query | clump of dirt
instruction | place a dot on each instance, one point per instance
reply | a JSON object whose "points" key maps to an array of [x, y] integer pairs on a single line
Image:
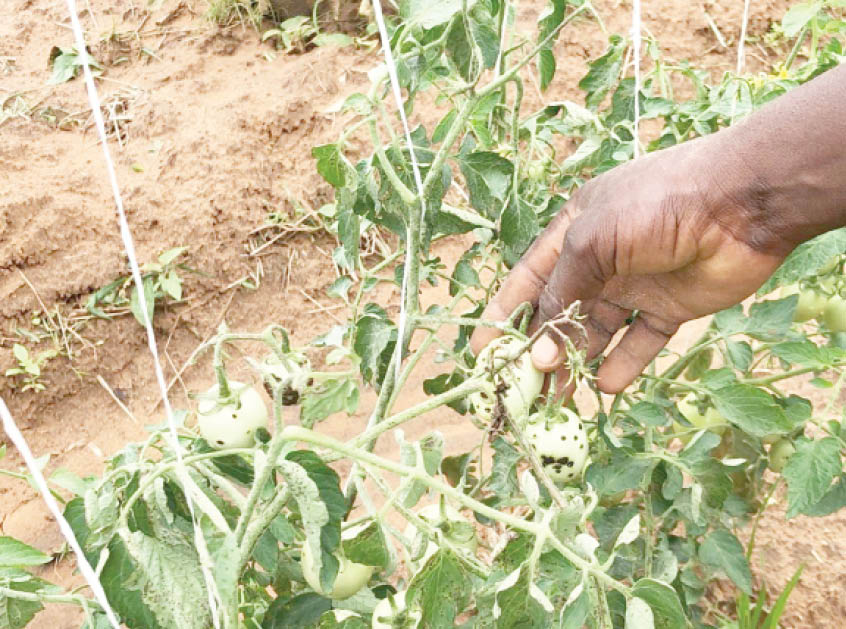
{"points": [[211, 131]]}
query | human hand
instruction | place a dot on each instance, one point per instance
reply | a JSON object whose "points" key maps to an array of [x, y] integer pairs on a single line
{"points": [[675, 235]]}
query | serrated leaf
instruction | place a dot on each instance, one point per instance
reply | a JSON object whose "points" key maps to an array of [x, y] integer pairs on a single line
{"points": [[518, 227], [663, 600], [621, 473], [368, 547], [461, 49], [798, 16], [442, 573], [639, 614], [330, 164], [170, 581], [740, 354], [488, 178], [315, 487], [350, 235], [15, 553], [810, 472], [805, 353], [516, 606], [834, 500], [752, 410], [302, 610], [375, 336], [721, 550], [430, 13], [503, 482], [603, 72], [648, 414], [332, 397], [576, 610], [807, 259], [16, 613], [117, 571]]}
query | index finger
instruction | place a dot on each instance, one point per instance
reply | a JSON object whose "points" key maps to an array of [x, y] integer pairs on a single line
{"points": [[525, 282]]}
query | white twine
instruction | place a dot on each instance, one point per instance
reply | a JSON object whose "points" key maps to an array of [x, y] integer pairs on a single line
{"points": [[418, 181], [126, 237], [85, 568], [741, 45]]}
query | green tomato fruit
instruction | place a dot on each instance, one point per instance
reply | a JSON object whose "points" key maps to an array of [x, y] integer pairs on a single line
{"points": [[560, 442], [231, 424], [517, 380], [711, 419], [351, 577], [780, 453], [811, 304], [835, 314], [393, 613]]}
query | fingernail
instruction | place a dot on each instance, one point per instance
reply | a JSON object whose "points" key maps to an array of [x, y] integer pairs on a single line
{"points": [[544, 352]]}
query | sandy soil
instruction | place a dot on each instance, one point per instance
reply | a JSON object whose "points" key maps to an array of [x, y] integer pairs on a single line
{"points": [[217, 135]]}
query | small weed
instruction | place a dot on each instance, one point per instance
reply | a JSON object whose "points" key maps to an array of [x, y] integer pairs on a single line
{"points": [[161, 281], [228, 12], [68, 62], [30, 367]]}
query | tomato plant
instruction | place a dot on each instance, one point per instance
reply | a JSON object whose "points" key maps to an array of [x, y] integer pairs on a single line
{"points": [[556, 517]]}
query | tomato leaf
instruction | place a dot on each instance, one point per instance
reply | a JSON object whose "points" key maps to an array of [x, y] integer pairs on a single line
{"points": [[810, 472], [503, 481], [375, 337], [316, 488], [332, 397], [442, 573], [15, 553], [520, 603], [430, 449], [302, 610], [330, 164], [832, 501], [805, 353], [518, 227], [798, 16], [722, 551], [430, 13], [488, 178], [648, 414], [664, 602], [621, 473], [752, 410], [603, 72], [576, 609], [461, 49], [807, 259], [639, 615], [170, 581], [368, 547]]}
